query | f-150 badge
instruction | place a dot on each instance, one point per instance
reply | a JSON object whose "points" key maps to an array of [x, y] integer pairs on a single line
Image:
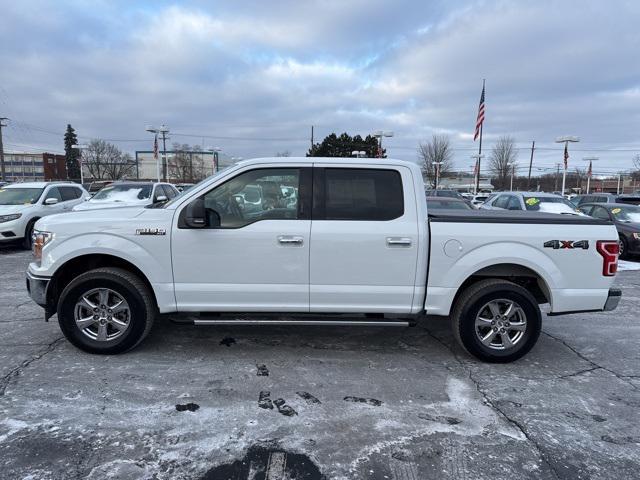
{"points": [[564, 244], [151, 231]]}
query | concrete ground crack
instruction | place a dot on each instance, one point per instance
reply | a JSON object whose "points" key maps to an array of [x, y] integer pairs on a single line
{"points": [[596, 366], [488, 401], [580, 372], [4, 382]]}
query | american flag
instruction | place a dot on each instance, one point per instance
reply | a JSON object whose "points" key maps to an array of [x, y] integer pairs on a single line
{"points": [[566, 156], [589, 171], [155, 147], [480, 118]]}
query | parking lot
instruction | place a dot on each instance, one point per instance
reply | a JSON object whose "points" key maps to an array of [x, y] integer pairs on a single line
{"points": [[317, 402]]}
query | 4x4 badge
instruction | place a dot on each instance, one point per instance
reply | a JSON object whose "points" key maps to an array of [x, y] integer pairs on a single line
{"points": [[563, 244], [151, 231]]}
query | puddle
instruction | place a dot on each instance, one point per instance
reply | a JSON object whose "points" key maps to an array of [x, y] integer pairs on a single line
{"points": [[267, 463]]}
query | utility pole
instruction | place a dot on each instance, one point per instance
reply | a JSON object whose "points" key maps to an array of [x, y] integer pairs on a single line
{"points": [[533, 147], [162, 130], [513, 172], [2, 170], [311, 137]]}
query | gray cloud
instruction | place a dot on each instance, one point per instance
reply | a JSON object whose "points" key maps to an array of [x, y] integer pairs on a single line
{"points": [[263, 72]]}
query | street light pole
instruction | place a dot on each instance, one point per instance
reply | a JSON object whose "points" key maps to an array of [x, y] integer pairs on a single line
{"points": [[437, 166], [80, 148], [162, 130], [566, 139], [513, 171], [379, 134], [478, 157], [589, 172]]}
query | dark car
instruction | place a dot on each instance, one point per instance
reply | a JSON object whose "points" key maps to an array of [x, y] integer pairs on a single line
{"points": [[627, 220], [447, 194], [446, 203], [594, 198]]}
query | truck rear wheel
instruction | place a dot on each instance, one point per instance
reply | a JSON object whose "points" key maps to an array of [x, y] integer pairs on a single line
{"points": [[496, 321], [106, 310]]}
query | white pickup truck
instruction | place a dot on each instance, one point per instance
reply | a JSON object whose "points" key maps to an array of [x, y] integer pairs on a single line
{"points": [[324, 241]]}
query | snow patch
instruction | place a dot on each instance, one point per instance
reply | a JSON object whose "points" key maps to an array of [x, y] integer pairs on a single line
{"points": [[626, 266]]}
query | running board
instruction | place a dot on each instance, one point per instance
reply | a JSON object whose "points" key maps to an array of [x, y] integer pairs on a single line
{"points": [[349, 323]]}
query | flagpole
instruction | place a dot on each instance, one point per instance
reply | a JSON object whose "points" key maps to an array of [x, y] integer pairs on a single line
{"points": [[566, 141], [479, 150]]}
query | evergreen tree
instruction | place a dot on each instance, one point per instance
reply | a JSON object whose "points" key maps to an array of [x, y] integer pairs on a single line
{"points": [[72, 155], [344, 146]]}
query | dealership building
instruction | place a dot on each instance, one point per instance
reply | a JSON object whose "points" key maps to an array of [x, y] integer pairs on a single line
{"points": [[202, 161]]}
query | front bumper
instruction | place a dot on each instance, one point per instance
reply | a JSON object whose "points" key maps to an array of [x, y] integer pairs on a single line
{"points": [[615, 294], [37, 288]]}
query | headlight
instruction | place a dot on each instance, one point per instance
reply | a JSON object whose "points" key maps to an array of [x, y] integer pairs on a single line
{"points": [[8, 218], [39, 240], [636, 235]]}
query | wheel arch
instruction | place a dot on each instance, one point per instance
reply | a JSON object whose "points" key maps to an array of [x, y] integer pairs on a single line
{"points": [[524, 276], [81, 264]]}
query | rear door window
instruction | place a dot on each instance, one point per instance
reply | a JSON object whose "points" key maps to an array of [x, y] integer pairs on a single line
{"points": [[599, 212], [357, 194], [501, 201], [514, 203], [69, 193]]}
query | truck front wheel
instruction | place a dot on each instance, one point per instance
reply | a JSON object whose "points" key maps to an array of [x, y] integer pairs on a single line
{"points": [[106, 310], [496, 321]]}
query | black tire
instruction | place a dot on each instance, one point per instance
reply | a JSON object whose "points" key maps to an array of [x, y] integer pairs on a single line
{"points": [[28, 231], [140, 299], [470, 303], [624, 248]]}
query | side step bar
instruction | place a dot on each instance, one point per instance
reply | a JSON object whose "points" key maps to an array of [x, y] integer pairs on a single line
{"points": [[349, 323]]}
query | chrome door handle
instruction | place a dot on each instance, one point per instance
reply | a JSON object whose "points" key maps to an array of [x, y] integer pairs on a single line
{"points": [[290, 240], [398, 241]]}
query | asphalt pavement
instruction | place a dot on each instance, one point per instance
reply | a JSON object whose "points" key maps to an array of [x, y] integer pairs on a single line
{"points": [[316, 402]]}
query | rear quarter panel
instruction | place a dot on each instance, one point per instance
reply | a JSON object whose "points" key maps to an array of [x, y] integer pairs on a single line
{"points": [[573, 277]]}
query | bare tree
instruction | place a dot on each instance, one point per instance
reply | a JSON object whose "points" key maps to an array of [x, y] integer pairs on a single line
{"points": [[636, 168], [185, 164], [437, 150], [502, 159], [106, 161]]}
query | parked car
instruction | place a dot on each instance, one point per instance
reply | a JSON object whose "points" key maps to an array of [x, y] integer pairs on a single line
{"points": [[355, 242], [444, 203], [629, 198], [448, 194], [95, 186], [594, 198], [181, 187], [129, 194], [531, 201], [626, 219], [480, 199], [22, 204]]}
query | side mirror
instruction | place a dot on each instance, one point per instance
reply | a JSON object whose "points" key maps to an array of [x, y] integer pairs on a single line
{"points": [[161, 198], [196, 214], [51, 201]]}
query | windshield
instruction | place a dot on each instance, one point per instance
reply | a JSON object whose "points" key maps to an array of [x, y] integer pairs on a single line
{"points": [[447, 204], [626, 214], [123, 193], [549, 204], [19, 196]]}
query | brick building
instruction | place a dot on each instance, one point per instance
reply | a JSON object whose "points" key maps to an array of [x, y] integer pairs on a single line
{"points": [[30, 167]]}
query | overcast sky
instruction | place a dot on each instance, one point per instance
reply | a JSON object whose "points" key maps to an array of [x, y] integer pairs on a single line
{"points": [[255, 75]]}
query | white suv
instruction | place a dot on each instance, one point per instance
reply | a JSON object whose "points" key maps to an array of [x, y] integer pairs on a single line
{"points": [[21, 204]]}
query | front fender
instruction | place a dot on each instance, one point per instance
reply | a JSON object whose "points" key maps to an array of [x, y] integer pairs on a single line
{"points": [[152, 259]]}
